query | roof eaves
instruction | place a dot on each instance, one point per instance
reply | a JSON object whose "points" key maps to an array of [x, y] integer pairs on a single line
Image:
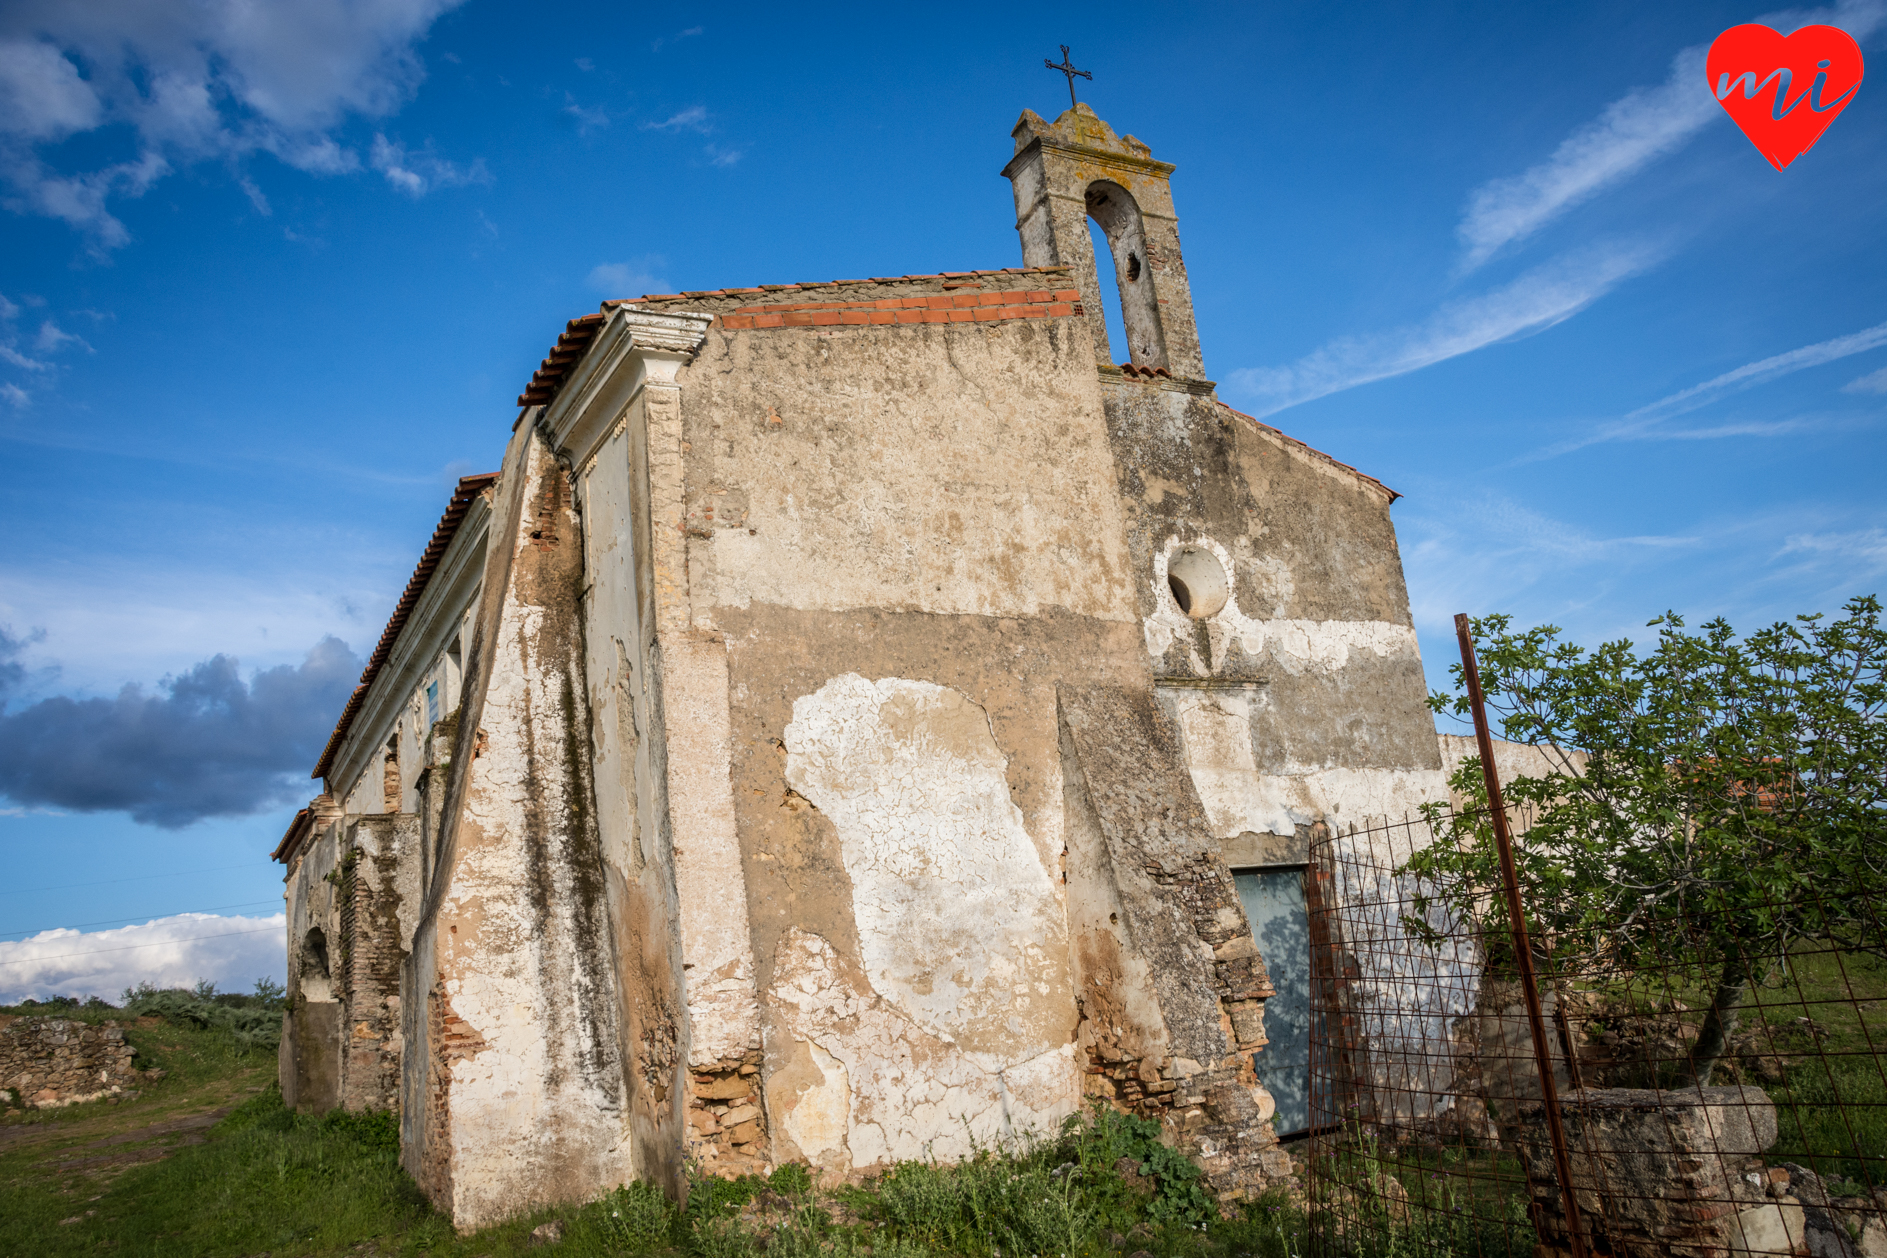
{"points": [[468, 489], [292, 838], [1313, 452]]}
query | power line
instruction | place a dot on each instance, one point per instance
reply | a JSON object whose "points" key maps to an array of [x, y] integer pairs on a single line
{"points": [[67, 956], [181, 873], [140, 917]]}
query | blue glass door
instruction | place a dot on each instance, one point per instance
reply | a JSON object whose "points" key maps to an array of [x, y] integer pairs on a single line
{"points": [[1274, 905]]}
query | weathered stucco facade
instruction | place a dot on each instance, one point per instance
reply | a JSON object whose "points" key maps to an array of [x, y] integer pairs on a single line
{"points": [[855, 699]]}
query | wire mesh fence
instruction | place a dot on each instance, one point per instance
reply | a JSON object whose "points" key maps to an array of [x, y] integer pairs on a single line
{"points": [[1700, 1115]]}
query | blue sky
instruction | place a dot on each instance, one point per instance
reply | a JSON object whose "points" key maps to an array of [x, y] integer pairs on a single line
{"points": [[273, 276]]}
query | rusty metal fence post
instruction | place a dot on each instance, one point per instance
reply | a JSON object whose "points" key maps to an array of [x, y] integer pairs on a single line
{"points": [[1523, 954]]}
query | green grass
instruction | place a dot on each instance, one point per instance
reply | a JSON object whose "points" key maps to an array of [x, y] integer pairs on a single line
{"points": [[207, 1162], [241, 1176], [1831, 1112]]}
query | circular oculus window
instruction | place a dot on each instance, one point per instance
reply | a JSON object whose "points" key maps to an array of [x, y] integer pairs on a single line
{"points": [[1198, 582]]}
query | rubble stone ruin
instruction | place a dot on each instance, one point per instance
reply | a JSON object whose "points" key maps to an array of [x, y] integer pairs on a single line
{"points": [[858, 717]]}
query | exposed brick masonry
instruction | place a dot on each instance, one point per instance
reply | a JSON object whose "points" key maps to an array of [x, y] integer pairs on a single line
{"points": [[727, 1125], [1035, 303], [370, 978]]}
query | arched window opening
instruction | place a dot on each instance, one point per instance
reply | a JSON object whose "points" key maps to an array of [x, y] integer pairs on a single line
{"points": [[1117, 351], [1134, 305], [317, 983]]}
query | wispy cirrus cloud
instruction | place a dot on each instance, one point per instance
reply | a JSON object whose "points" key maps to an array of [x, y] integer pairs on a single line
{"points": [[1644, 124], [1752, 374], [19, 353], [1532, 303], [587, 118], [693, 118], [1487, 550], [1863, 550], [666, 40], [1872, 382], [1645, 423]]}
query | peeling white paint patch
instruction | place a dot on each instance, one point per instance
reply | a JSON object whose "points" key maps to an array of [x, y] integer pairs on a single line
{"points": [[1407, 993], [912, 1094], [1323, 646], [958, 919], [1296, 646], [1238, 797]]}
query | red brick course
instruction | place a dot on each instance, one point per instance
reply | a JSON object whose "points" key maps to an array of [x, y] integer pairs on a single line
{"points": [[1039, 303]]}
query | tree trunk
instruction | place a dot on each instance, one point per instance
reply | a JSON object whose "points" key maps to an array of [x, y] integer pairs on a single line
{"points": [[1720, 1021]]}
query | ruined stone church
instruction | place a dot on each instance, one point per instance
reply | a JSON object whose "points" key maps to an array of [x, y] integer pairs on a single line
{"points": [[856, 718]]}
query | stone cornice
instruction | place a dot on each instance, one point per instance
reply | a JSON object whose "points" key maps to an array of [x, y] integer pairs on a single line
{"points": [[1083, 152], [635, 348]]}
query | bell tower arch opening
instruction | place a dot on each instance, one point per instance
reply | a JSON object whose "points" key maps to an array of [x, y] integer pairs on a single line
{"points": [[1115, 323], [1074, 171], [1112, 208]]}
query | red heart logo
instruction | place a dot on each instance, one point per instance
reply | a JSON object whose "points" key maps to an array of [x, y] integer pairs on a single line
{"points": [[1784, 91]]}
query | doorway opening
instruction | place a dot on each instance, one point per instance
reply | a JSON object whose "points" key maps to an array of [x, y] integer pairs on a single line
{"points": [[1273, 898]]}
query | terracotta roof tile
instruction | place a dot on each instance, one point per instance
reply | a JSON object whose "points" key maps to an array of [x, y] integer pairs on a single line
{"points": [[1286, 437], [469, 487]]}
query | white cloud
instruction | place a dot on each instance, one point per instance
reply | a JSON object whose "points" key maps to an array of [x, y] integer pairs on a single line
{"points": [[255, 196], [232, 952], [1640, 126], [693, 118], [1741, 428], [1752, 374], [417, 173], [42, 96], [585, 64], [630, 279], [676, 38], [1872, 382], [718, 156], [1865, 548], [1643, 423], [11, 355], [50, 338], [192, 79], [1487, 551], [1536, 301], [586, 119]]}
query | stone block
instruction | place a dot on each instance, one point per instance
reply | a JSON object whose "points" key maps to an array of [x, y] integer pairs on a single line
{"points": [[1661, 1172]]}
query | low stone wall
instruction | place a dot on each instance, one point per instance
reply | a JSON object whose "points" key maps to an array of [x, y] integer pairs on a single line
{"points": [[1661, 1173], [49, 1062]]}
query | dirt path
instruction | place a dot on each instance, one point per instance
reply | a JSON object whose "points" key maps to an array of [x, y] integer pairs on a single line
{"points": [[102, 1144]]}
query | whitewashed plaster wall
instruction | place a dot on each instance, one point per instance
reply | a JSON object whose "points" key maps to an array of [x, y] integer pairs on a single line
{"points": [[964, 1007], [1217, 724], [535, 1091]]}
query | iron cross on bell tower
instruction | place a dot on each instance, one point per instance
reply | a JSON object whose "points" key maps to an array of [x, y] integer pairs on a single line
{"points": [[1067, 67]]}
